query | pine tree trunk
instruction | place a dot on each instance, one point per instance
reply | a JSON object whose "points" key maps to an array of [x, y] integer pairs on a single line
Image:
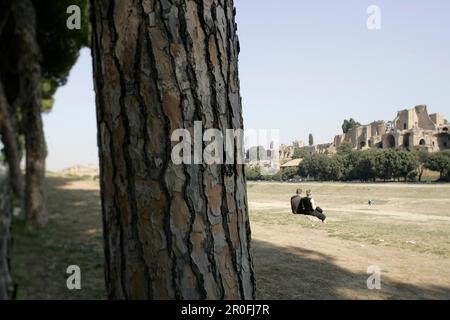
{"points": [[30, 80], [171, 231], [6, 283], [9, 139]]}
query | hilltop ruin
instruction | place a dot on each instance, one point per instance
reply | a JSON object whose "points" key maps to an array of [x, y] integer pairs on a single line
{"points": [[412, 129]]}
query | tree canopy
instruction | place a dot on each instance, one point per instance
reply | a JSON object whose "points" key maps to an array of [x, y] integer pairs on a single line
{"points": [[59, 46], [299, 153], [42, 49], [373, 164], [311, 139], [349, 124]]}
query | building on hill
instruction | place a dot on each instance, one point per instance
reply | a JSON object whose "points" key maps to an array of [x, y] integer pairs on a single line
{"points": [[295, 163], [286, 152], [411, 129], [298, 144]]}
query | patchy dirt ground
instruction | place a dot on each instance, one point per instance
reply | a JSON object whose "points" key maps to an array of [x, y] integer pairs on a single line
{"points": [[406, 233]]}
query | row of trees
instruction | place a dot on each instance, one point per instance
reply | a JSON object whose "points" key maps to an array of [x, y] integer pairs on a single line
{"points": [[374, 164], [368, 165], [170, 231], [38, 51], [41, 50]]}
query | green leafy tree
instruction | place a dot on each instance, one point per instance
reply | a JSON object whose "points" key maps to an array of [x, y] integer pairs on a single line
{"points": [[349, 124], [447, 176], [314, 166], [274, 177], [38, 60], [349, 159], [439, 162], [289, 173], [365, 167], [299, 153], [59, 45], [407, 165], [311, 139], [350, 162], [370, 165], [253, 173], [345, 148], [421, 156], [385, 164], [335, 169]]}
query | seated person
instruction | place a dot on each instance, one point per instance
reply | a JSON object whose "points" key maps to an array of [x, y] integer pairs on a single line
{"points": [[310, 208], [296, 201]]}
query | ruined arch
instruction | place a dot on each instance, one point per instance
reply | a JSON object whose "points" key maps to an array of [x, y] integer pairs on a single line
{"points": [[390, 141], [443, 140], [422, 142], [406, 140]]}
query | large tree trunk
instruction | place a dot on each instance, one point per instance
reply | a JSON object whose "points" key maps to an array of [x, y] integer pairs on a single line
{"points": [[171, 231], [30, 87], [6, 283], [9, 139]]}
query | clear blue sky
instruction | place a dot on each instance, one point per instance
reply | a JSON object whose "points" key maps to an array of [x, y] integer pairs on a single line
{"points": [[304, 67]]}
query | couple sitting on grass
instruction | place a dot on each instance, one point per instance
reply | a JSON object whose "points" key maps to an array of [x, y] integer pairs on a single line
{"points": [[306, 206]]}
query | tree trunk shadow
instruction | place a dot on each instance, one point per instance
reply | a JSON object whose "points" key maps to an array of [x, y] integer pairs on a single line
{"points": [[299, 273]]}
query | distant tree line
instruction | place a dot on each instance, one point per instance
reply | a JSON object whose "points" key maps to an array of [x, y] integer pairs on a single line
{"points": [[368, 165], [254, 173], [374, 164]]}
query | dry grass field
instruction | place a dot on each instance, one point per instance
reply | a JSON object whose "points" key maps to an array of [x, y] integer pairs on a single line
{"points": [[406, 233]]}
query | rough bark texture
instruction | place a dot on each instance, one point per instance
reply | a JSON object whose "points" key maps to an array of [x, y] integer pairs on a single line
{"points": [[30, 96], [6, 282], [171, 231], [9, 140]]}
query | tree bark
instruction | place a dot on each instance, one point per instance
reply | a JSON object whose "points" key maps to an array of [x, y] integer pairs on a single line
{"points": [[9, 139], [6, 282], [171, 231], [29, 58]]}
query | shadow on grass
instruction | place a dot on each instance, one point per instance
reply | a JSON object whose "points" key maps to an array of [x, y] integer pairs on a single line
{"points": [[73, 236], [298, 273]]}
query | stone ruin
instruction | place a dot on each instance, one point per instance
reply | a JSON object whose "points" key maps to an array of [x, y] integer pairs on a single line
{"points": [[411, 129]]}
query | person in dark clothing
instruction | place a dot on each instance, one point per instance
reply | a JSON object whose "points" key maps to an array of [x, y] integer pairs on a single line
{"points": [[296, 201], [310, 208]]}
